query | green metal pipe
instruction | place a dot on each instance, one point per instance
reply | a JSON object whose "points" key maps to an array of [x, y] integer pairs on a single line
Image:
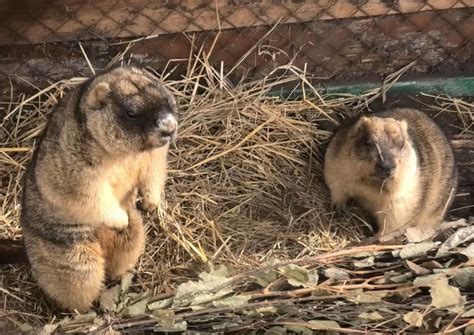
{"points": [[455, 87]]}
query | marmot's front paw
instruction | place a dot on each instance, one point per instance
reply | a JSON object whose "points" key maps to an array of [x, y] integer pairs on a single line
{"points": [[338, 207], [118, 219], [150, 201]]}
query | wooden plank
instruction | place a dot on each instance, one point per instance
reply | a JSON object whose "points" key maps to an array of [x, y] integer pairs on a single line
{"points": [[42, 21]]}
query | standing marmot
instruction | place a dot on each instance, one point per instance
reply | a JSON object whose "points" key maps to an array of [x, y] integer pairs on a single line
{"points": [[398, 165], [107, 139]]}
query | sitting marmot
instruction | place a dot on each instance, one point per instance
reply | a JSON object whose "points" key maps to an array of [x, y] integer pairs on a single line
{"points": [[398, 165], [106, 140]]}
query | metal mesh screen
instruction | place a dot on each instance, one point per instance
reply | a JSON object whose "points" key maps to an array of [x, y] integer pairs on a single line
{"points": [[335, 40]]}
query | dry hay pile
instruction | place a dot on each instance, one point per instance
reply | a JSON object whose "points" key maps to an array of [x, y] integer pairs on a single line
{"points": [[245, 190]]}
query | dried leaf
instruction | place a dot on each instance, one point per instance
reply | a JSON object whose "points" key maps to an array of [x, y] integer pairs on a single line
{"points": [[166, 317], [366, 262], [416, 250], [110, 331], [263, 278], [454, 224], [48, 329], [65, 321], [418, 270], [109, 299], [373, 316], [323, 324], [336, 274], [468, 314], [295, 283], [464, 278], [443, 295], [469, 330], [125, 282], [26, 328], [288, 310], [366, 298], [276, 331], [232, 301], [461, 236], [86, 318], [414, 318], [469, 251], [428, 281], [220, 272], [449, 330], [431, 265], [457, 308], [365, 254], [223, 326], [311, 282], [183, 325], [380, 281], [295, 272], [313, 277], [211, 287], [173, 328], [134, 297], [266, 310], [443, 253], [136, 309], [160, 304], [300, 330], [408, 293], [402, 278]]}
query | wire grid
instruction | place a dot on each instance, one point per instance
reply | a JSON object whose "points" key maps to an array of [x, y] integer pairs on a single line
{"points": [[330, 47]]}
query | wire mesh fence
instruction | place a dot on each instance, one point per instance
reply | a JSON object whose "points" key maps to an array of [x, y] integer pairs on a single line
{"points": [[332, 41], [335, 40]]}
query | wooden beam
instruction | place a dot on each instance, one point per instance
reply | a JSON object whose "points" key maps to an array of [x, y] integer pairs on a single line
{"points": [[42, 21]]}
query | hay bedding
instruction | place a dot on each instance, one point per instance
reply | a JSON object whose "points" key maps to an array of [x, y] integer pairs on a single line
{"points": [[245, 191]]}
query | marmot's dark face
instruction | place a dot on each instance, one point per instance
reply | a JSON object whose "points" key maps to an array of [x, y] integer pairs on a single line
{"points": [[129, 110], [380, 146]]}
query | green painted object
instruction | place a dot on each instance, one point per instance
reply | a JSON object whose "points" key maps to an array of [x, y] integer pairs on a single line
{"points": [[455, 87]]}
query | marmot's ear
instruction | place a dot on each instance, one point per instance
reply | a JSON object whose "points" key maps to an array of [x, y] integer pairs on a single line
{"points": [[361, 125], [97, 96], [172, 102], [404, 126]]}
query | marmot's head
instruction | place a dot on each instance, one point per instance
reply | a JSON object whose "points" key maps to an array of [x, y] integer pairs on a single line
{"points": [[128, 110], [379, 146]]}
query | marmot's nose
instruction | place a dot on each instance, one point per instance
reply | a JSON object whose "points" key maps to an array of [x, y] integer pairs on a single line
{"points": [[167, 125], [385, 169]]}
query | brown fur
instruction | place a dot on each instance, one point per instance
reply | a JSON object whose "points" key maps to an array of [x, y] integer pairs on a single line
{"points": [[107, 140], [398, 165], [122, 248]]}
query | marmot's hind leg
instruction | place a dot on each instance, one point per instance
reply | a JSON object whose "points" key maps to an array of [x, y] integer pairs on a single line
{"points": [[73, 277]]}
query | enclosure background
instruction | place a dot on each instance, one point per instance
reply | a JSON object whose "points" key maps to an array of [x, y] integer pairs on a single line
{"points": [[335, 41]]}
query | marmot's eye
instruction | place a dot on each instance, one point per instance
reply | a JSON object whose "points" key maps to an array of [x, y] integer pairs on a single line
{"points": [[368, 142], [131, 114], [401, 143]]}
